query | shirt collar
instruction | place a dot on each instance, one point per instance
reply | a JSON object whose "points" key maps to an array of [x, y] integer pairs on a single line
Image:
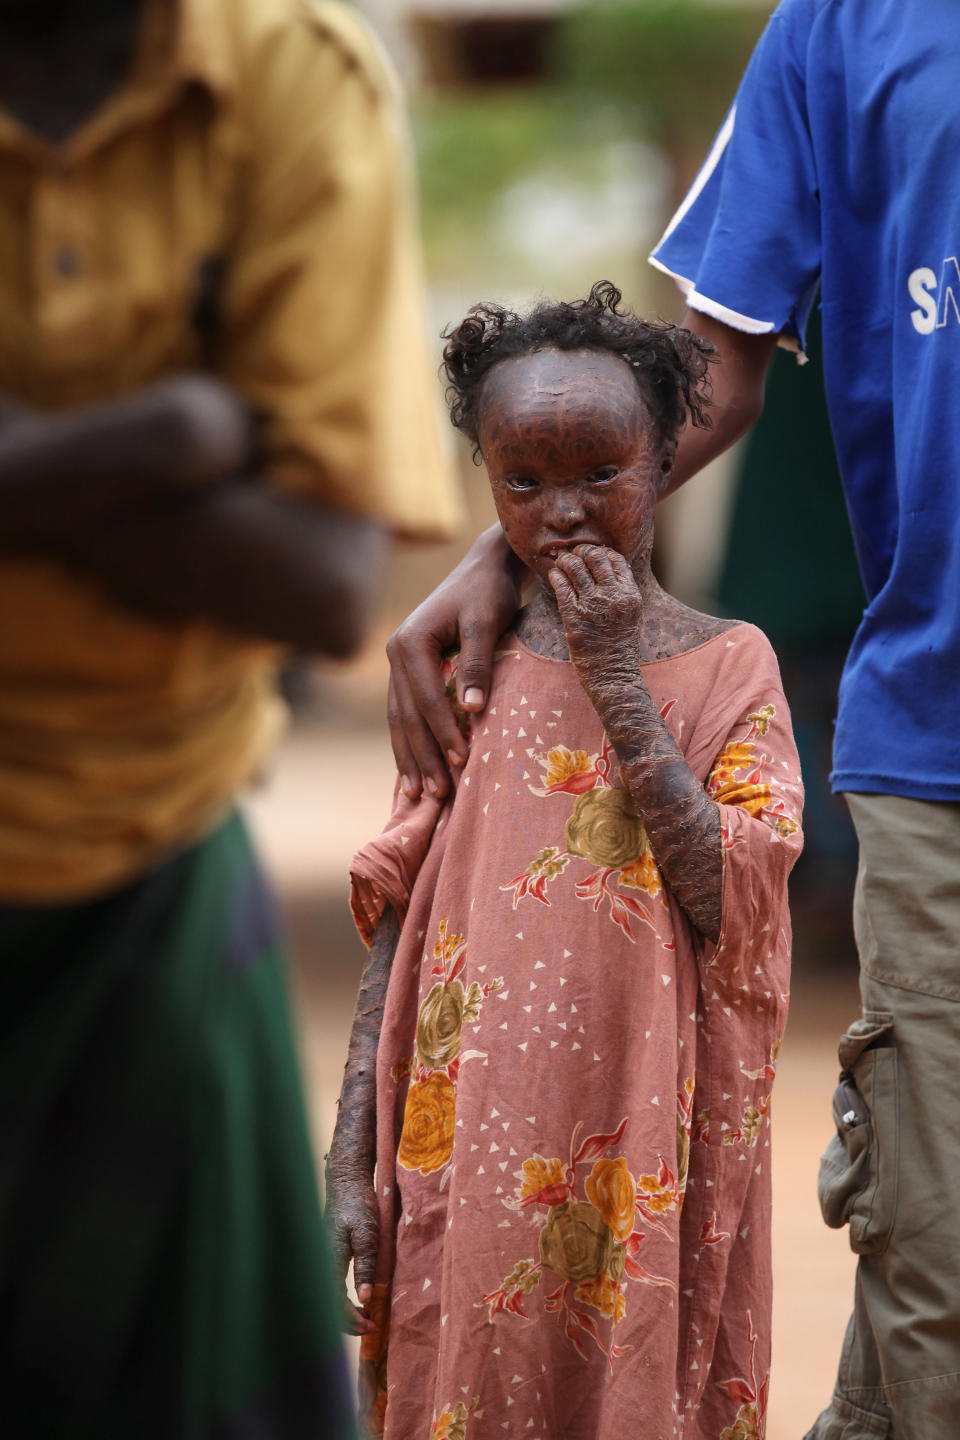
{"points": [[183, 41]]}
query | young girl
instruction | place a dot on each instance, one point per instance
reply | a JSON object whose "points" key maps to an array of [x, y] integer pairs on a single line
{"points": [[567, 1029]]}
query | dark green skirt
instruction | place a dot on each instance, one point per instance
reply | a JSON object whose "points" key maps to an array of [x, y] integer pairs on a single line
{"points": [[163, 1269]]}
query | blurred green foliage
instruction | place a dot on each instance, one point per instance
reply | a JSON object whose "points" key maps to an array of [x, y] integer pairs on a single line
{"points": [[472, 145], [659, 71], [674, 63]]}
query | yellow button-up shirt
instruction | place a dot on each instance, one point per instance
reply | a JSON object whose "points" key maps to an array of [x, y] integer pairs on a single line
{"points": [[243, 201]]}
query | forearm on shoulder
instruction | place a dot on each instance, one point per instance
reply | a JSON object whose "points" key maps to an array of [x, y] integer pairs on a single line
{"points": [[738, 381], [64, 468], [243, 557], [681, 821], [354, 1143]]}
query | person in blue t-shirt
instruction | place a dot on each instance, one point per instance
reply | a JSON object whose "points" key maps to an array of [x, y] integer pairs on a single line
{"points": [[836, 171]]}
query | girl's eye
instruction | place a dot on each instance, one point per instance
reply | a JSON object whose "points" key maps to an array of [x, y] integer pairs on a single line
{"points": [[521, 482], [603, 474]]}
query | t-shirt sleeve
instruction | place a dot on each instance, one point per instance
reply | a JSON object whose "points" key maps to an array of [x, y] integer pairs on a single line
{"points": [[744, 247], [324, 315]]}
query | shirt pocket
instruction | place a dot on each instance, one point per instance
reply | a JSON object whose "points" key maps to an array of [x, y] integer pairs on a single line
{"points": [[859, 1175]]}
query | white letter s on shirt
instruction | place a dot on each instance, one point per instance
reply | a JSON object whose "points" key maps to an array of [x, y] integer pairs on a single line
{"points": [[920, 283]]}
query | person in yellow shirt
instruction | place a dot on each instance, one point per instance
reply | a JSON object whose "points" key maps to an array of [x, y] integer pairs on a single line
{"points": [[214, 405]]}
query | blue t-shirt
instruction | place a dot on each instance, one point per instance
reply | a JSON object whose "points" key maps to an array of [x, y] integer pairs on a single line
{"points": [[839, 167]]}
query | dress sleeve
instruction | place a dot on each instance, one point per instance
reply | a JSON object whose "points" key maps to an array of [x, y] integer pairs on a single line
{"points": [[324, 314], [756, 781], [745, 978], [384, 870], [744, 247]]}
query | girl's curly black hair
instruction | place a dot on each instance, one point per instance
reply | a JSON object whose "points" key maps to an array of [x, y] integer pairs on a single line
{"points": [[670, 364]]}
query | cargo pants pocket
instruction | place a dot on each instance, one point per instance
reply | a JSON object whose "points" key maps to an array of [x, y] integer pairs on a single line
{"points": [[859, 1171]]}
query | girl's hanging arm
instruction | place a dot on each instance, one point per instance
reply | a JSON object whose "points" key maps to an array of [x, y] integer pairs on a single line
{"points": [[602, 610], [351, 1198]]}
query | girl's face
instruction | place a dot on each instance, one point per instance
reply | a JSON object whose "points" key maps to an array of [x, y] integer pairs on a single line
{"points": [[572, 454]]}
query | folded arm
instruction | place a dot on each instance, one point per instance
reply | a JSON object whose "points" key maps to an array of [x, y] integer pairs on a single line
{"points": [[169, 440], [242, 557]]}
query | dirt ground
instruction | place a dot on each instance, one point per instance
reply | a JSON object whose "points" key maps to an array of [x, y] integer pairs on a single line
{"points": [[330, 791]]}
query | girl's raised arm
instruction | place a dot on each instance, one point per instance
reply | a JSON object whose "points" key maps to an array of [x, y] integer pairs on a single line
{"points": [[601, 609]]}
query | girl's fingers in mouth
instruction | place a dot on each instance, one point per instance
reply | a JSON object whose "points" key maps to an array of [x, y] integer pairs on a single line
{"points": [[570, 564], [599, 561]]}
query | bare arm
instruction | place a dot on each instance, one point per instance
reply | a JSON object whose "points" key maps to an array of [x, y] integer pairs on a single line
{"points": [[351, 1200], [242, 557], [601, 609], [479, 599], [681, 821], [738, 389], [61, 470]]}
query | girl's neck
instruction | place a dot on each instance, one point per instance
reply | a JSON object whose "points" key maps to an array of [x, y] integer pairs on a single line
{"points": [[667, 626]]}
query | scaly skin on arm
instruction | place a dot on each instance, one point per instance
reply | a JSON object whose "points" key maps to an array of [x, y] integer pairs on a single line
{"points": [[681, 820], [351, 1199], [602, 612]]}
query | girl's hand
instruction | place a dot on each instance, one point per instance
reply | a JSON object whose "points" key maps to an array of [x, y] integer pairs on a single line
{"points": [[352, 1216], [600, 606]]}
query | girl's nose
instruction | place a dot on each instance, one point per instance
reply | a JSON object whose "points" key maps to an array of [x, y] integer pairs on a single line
{"points": [[568, 512]]}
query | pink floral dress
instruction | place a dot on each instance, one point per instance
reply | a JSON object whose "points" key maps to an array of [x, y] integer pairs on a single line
{"points": [[574, 1087]]}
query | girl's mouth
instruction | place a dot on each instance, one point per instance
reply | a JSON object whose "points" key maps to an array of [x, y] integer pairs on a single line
{"points": [[559, 547]]}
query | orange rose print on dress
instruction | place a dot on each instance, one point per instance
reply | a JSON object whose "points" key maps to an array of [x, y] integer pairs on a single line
{"points": [[426, 1142], [612, 1189], [591, 1244]]}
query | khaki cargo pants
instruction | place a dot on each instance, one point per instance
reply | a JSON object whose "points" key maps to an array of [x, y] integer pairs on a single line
{"points": [[892, 1172]]}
